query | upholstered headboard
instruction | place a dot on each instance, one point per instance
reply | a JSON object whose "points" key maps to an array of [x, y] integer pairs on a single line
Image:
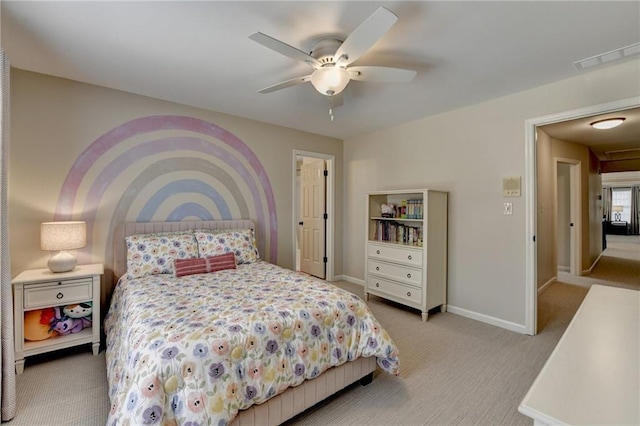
{"points": [[131, 228]]}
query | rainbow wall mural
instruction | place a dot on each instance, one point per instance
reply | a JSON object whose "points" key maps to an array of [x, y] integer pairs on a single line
{"points": [[166, 168]]}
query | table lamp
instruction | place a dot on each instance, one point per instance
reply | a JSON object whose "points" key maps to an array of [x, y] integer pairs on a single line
{"points": [[617, 213], [62, 236]]}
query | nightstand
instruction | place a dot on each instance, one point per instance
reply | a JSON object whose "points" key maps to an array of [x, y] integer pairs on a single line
{"points": [[41, 288]]}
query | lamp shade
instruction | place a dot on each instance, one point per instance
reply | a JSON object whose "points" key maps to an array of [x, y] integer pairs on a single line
{"points": [[63, 235], [330, 80]]}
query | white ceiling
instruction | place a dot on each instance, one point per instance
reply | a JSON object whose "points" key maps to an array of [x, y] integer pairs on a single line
{"points": [[611, 145], [199, 53]]}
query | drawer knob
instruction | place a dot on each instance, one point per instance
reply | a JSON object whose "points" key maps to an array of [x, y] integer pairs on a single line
{"points": [[409, 293], [408, 275], [377, 284], [377, 268], [59, 295], [377, 251], [409, 257]]}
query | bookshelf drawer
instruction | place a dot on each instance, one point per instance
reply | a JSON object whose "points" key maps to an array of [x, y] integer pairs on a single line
{"points": [[397, 272], [395, 289], [409, 255]]}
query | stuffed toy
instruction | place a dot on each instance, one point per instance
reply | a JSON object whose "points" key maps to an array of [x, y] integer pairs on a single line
{"points": [[64, 324], [37, 324], [79, 310]]}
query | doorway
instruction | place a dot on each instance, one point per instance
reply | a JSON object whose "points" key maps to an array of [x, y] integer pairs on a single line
{"points": [[531, 201], [314, 216], [567, 223]]}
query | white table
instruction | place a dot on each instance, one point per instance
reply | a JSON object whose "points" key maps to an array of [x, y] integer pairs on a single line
{"points": [[593, 374]]}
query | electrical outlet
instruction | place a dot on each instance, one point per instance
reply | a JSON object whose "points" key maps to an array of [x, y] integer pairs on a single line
{"points": [[508, 208]]}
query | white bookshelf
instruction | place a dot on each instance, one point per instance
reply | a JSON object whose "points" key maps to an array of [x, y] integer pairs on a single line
{"points": [[406, 256]]}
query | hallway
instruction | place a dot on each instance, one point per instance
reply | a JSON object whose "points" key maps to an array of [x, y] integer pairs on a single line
{"points": [[619, 265]]}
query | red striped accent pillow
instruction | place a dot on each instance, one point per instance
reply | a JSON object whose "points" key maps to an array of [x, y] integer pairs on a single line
{"points": [[204, 265]]}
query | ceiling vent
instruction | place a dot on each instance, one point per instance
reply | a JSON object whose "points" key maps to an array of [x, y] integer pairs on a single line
{"points": [[623, 154], [611, 56]]}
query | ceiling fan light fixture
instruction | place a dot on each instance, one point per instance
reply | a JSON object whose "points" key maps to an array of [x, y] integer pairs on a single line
{"points": [[608, 123], [330, 80]]}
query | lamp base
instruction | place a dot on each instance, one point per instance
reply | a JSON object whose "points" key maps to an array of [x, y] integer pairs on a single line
{"points": [[63, 261]]}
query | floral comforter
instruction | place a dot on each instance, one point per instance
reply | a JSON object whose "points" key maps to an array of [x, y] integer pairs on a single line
{"points": [[197, 349]]}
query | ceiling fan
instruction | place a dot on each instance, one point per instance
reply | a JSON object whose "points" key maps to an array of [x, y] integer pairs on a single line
{"points": [[331, 58]]}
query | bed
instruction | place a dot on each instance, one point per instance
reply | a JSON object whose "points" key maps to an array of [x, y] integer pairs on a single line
{"points": [[249, 343]]}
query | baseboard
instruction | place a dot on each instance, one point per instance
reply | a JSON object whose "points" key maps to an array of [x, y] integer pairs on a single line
{"points": [[593, 265], [581, 281], [351, 280], [544, 286], [518, 328], [564, 268]]}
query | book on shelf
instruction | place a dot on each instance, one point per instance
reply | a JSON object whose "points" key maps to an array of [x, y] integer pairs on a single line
{"points": [[410, 209], [391, 231]]}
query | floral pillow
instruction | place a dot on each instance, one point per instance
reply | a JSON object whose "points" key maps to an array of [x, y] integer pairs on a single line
{"points": [[152, 254], [241, 242]]}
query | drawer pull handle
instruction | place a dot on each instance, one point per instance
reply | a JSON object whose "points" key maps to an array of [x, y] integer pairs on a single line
{"points": [[377, 251], [59, 282], [409, 293], [409, 257], [408, 275], [377, 284], [59, 295], [377, 268]]}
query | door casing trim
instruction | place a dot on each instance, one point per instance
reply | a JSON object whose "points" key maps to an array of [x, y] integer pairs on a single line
{"points": [[530, 187]]}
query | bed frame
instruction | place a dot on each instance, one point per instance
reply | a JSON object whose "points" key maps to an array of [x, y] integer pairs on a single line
{"points": [[292, 401]]}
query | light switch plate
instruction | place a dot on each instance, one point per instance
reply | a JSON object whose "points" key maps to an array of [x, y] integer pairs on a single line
{"points": [[511, 186]]}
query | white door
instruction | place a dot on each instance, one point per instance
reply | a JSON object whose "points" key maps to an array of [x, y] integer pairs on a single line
{"points": [[575, 226], [568, 225], [563, 234], [313, 183]]}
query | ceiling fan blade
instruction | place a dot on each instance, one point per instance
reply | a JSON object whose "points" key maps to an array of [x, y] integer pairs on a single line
{"points": [[285, 49], [366, 35], [382, 74], [284, 84]]}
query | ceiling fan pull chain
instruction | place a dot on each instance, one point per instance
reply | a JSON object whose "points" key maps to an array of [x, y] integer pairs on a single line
{"points": [[331, 104]]}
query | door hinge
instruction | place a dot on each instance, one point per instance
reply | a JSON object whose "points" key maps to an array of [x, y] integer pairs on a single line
{"points": [[325, 172], [534, 238], [325, 216], [325, 260]]}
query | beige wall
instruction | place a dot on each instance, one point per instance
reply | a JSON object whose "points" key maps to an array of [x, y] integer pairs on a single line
{"points": [[545, 235], [550, 150], [468, 152], [54, 120], [595, 210]]}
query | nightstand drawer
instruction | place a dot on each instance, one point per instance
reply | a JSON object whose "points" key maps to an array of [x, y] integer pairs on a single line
{"points": [[57, 293]]}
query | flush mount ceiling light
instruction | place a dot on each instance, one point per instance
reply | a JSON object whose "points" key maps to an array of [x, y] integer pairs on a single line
{"points": [[608, 123]]}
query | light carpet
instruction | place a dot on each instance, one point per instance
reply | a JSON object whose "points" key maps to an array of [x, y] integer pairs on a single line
{"points": [[454, 371], [618, 266]]}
